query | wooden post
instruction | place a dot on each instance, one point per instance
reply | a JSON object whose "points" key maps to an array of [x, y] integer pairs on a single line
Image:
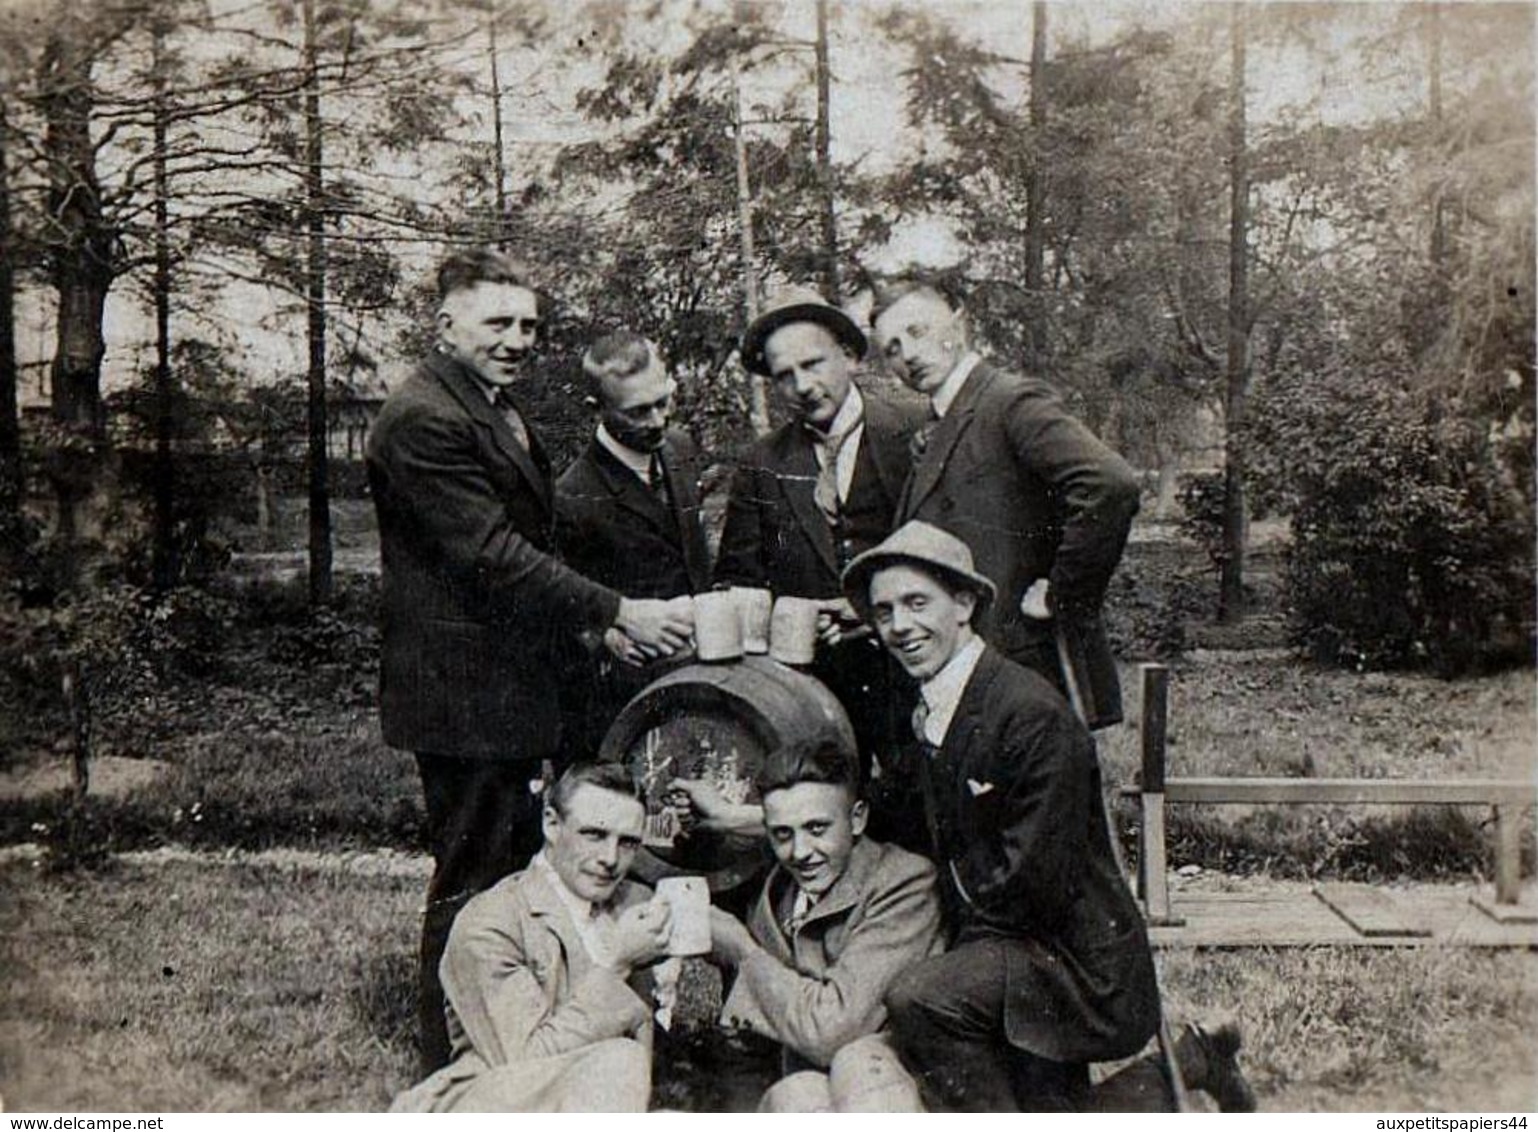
{"points": [[1153, 868], [1508, 853]]}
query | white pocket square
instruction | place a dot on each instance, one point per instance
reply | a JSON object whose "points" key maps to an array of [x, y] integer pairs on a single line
{"points": [[978, 788]]}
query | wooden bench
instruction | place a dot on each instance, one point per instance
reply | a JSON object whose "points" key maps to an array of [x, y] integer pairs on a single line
{"points": [[1155, 790]]}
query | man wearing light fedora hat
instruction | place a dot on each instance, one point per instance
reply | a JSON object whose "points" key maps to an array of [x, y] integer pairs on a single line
{"points": [[1049, 967], [1045, 506], [812, 495]]}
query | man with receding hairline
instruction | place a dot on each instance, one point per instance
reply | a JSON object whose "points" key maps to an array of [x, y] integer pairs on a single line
{"points": [[628, 513], [810, 496], [1044, 505], [477, 607], [540, 970]]}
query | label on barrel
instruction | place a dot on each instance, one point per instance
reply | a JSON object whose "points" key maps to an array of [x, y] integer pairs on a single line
{"points": [[696, 748]]}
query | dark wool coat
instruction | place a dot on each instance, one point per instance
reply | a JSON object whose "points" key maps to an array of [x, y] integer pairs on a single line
{"points": [[1035, 494], [476, 603], [615, 530], [1012, 803]]}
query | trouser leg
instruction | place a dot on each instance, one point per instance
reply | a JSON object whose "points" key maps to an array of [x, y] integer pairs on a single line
{"points": [[483, 822], [1138, 1087], [947, 1020], [867, 1076]]}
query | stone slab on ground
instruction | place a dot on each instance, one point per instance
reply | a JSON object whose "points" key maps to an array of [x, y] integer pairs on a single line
{"points": [[111, 776], [1233, 912]]}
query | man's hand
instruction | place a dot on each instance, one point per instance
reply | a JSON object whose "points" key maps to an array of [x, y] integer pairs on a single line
{"points": [[1033, 603], [837, 621], [623, 648], [641, 935], [658, 628], [730, 942], [708, 809]]}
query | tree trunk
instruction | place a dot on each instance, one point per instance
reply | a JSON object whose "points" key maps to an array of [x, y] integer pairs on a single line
{"points": [[12, 474], [1434, 31], [82, 269], [315, 271], [166, 567], [1235, 520], [1035, 202], [758, 393], [829, 250], [500, 155]]}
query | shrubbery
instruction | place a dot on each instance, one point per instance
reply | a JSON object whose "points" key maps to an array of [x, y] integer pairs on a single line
{"points": [[1412, 522]]}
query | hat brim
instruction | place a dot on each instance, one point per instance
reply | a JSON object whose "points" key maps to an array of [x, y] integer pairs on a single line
{"points": [[857, 576], [850, 336]]}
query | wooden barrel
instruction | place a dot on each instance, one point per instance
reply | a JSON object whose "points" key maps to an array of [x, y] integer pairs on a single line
{"points": [[716, 721]]}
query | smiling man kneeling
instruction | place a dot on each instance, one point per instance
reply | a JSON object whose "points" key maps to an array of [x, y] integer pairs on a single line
{"points": [[838, 919], [542, 1016]]}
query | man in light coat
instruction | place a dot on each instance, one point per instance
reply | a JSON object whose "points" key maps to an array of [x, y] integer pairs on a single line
{"points": [[539, 973], [839, 918]]}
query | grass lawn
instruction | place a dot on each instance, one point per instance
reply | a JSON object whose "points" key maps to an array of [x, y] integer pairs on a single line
{"points": [[215, 986]]}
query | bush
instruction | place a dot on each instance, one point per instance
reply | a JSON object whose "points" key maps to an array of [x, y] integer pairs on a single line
{"points": [[1201, 496], [1412, 536]]}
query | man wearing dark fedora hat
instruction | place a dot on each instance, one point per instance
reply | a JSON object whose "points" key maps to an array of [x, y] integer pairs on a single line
{"points": [[812, 495], [1049, 967]]}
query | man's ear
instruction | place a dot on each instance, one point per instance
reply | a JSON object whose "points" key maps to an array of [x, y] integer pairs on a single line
{"points": [[859, 815], [443, 320], [967, 600], [550, 823]]}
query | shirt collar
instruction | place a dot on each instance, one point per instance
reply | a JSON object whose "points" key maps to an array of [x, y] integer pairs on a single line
{"points": [[942, 691], [638, 462], [850, 415], [581, 910], [945, 396]]}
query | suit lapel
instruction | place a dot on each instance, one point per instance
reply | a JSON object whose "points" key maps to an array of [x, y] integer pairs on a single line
{"points": [[627, 489], [464, 388], [684, 493], [880, 445], [931, 466], [968, 717], [797, 477]]}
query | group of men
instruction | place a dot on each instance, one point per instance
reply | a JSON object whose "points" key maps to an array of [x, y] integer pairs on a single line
{"points": [[960, 562]]}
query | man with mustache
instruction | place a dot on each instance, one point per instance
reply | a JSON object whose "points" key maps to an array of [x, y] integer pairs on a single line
{"points": [[477, 608], [1044, 505], [628, 513], [817, 491], [539, 968]]}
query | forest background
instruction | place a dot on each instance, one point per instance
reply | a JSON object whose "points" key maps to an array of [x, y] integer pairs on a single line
{"points": [[1279, 255]]}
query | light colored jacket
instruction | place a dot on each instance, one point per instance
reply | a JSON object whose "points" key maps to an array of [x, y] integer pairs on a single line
{"points": [[523, 992], [821, 988]]}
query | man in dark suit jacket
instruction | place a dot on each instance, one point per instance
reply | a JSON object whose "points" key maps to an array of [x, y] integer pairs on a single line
{"points": [[476, 605], [1044, 505], [819, 490], [628, 512], [1050, 967]]}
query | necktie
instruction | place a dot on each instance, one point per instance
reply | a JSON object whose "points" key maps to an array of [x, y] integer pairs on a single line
{"points": [[800, 909], [920, 721], [510, 413], [922, 435], [828, 449], [657, 477]]}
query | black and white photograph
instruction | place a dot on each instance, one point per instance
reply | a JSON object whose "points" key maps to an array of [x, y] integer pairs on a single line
{"points": [[672, 556]]}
